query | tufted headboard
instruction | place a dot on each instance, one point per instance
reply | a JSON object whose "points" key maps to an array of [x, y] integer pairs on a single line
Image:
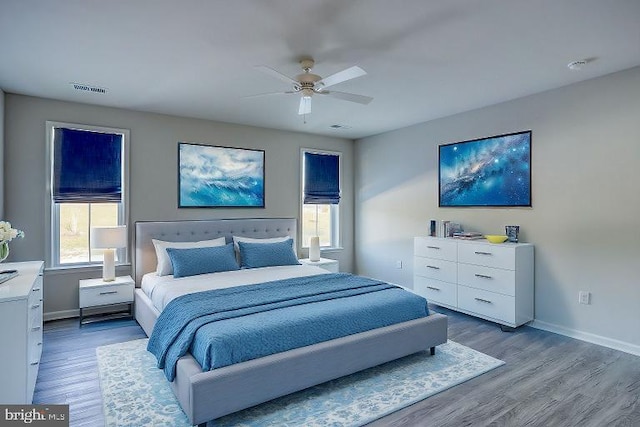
{"points": [[191, 231]]}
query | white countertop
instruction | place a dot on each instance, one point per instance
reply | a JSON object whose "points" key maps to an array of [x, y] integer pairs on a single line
{"points": [[20, 286]]}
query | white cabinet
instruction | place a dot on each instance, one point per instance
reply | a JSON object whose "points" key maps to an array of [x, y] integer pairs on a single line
{"points": [[487, 280], [330, 265], [96, 293], [20, 331]]}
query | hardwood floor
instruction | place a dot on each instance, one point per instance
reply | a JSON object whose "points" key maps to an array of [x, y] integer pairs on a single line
{"points": [[548, 380], [68, 371]]}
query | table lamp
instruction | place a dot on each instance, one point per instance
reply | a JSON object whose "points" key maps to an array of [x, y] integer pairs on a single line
{"points": [[109, 238]]}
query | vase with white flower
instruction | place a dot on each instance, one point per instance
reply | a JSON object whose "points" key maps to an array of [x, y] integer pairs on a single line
{"points": [[7, 234]]}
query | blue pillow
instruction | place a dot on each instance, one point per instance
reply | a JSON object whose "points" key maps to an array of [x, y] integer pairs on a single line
{"points": [[192, 261], [254, 255]]}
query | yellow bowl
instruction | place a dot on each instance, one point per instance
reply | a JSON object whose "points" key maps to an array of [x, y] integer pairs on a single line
{"points": [[494, 238]]}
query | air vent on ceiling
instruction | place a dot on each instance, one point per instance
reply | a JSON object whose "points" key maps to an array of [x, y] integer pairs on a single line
{"points": [[88, 88]]}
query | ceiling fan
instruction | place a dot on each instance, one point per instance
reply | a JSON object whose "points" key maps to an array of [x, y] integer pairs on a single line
{"points": [[308, 84]]}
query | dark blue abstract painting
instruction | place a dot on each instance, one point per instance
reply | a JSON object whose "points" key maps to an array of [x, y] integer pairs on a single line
{"points": [[494, 171], [211, 176]]}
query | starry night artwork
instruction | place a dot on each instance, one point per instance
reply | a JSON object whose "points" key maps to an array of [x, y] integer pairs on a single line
{"points": [[493, 171], [211, 176]]}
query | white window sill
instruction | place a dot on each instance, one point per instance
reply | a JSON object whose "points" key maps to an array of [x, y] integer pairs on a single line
{"points": [[78, 268]]}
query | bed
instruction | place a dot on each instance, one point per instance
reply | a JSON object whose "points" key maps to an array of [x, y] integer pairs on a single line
{"points": [[211, 394]]}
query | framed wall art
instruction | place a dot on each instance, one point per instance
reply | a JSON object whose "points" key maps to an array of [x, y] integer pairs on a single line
{"points": [[213, 176], [486, 172]]}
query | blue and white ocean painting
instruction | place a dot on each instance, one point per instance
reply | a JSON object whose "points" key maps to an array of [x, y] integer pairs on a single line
{"points": [[220, 176], [493, 171]]}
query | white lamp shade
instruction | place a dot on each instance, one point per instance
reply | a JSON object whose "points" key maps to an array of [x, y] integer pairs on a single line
{"points": [[109, 237]]}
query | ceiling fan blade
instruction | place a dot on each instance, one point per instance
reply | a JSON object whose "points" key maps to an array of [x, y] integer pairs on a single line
{"points": [[276, 74], [305, 105], [342, 76], [360, 99], [269, 93]]}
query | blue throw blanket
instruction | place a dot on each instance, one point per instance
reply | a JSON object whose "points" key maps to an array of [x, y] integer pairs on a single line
{"points": [[226, 326]]}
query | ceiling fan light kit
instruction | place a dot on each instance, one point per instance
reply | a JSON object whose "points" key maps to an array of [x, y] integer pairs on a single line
{"points": [[308, 84]]}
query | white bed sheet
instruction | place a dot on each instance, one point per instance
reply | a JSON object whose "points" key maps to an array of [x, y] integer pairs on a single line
{"points": [[163, 289]]}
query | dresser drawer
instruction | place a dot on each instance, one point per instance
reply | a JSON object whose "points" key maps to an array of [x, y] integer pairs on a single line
{"points": [[435, 291], [489, 255], [488, 304], [487, 278], [435, 269], [433, 247], [105, 295]]}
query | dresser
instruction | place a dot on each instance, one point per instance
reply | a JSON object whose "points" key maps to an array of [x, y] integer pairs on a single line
{"points": [[487, 280], [20, 331]]}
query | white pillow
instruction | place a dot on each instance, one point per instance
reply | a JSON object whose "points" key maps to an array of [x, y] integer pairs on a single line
{"points": [[237, 239], [164, 263]]}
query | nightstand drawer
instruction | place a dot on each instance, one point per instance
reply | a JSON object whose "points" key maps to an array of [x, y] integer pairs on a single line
{"points": [[104, 295], [435, 269], [489, 279], [487, 304]]}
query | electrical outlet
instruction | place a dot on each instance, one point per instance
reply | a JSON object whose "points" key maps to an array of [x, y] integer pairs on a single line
{"points": [[399, 265], [584, 297]]}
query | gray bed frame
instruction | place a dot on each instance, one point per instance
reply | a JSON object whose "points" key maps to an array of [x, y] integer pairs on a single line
{"points": [[208, 395]]}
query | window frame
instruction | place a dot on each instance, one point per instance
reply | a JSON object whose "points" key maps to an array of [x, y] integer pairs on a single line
{"points": [[52, 210], [336, 215]]}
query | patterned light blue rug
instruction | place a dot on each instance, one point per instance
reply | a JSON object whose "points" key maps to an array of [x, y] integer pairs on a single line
{"points": [[135, 392]]}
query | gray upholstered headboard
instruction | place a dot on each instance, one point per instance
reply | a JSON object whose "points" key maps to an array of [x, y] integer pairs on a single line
{"points": [[191, 231]]}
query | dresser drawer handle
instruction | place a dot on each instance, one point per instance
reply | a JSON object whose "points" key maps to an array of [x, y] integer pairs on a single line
{"points": [[108, 293], [482, 253], [34, 306], [432, 288], [433, 267], [39, 343], [486, 301], [36, 289], [34, 363], [36, 328], [433, 247], [483, 276]]}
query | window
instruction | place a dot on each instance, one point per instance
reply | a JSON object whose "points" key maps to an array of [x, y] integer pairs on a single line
{"points": [[87, 186], [321, 172]]}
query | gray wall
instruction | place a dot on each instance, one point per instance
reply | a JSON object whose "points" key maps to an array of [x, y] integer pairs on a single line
{"points": [[153, 179], [586, 203], [1, 154]]}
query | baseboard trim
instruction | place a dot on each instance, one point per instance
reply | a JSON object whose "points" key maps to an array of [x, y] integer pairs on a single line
{"points": [[588, 337], [64, 314]]}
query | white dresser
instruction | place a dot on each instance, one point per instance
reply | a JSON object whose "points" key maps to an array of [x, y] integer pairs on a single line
{"points": [[20, 331], [487, 280]]}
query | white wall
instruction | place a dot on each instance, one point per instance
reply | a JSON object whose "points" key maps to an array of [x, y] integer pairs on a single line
{"points": [[153, 175], [586, 202]]}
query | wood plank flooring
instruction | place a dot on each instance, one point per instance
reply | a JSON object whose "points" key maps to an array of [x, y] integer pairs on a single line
{"points": [[548, 380]]}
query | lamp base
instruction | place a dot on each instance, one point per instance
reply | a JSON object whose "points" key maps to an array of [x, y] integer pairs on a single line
{"points": [[314, 249], [108, 266]]}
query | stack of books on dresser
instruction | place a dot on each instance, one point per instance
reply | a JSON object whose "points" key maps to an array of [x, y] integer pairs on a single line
{"points": [[468, 235]]}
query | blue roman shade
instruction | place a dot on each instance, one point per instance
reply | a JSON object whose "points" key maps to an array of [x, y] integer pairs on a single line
{"points": [[87, 166], [321, 179]]}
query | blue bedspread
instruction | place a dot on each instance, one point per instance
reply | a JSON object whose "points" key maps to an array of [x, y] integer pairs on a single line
{"points": [[226, 326]]}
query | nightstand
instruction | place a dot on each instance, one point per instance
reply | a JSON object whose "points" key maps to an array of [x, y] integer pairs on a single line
{"points": [[330, 265], [98, 294]]}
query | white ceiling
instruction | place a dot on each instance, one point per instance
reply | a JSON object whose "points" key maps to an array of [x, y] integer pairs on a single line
{"points": [[425, 59]]}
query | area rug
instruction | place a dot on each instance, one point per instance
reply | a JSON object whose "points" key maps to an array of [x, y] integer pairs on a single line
{"points": [[136, 393]]}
